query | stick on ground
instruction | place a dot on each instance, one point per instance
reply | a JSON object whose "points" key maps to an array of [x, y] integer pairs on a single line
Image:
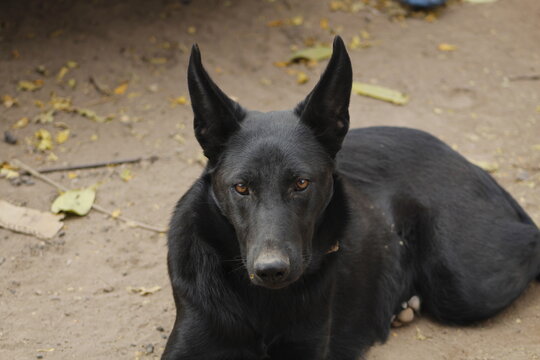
{"points": [[95, 206]]}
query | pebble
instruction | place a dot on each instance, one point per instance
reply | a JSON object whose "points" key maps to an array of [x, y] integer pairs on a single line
{"points": [[9, 138], [149, 349], [160, 329], [406, 316]]}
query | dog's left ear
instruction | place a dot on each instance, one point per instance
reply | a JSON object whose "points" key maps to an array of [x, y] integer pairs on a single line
{"points": [[326, 109], [217, 117]]}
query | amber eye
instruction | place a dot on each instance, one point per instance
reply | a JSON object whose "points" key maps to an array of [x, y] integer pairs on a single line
{"points": [[242, 189], [301, 184]]}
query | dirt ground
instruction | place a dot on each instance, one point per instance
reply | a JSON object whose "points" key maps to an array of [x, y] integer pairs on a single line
{"points": [[67, 298]]}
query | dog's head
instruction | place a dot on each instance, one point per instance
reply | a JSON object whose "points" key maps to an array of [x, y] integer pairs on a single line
{"points": [[272, 173]]}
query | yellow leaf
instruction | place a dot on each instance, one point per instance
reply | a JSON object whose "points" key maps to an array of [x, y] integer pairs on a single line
{"points": [[158, 60], [447, 47], [116, 213], [45, 117], [9, 101], [281, 64], [297, 20], [72, 64], [302, 78], [94, 137], [35, 85], [72, 175], [181, 100], [63, 71], [380, 93], [8, 173], [62, 136], [52, 157], [316, 53], [324, 24], [76, 201], [21, 123], [44, 140], [126, 175], [121, 89]]}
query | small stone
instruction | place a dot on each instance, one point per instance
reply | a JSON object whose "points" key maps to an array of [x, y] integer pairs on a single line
{"points": [[406, 316], [10, 138], [160, 329], [108, 289], [522, 175], [149, 349], [39, 356], [414, 303]]}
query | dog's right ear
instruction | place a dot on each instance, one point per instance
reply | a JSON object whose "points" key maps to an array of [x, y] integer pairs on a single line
{"points": [[216, 115]]}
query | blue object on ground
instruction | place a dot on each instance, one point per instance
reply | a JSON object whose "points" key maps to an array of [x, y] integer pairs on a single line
{"points": [[424, 3]]}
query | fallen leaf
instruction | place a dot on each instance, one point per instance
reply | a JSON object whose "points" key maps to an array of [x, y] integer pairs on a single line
{"points": [[275, 23], [72, 83], [490, 167], [446, 47], [52, 157], [94, 137], [62, 136], [297, 20], [380, 93], [72, 175], [63, 71], [44, 225], [75, 201], [44, 140], [181, 100], [116, 213], [90, 114], [45, 117], [316, 53], [72, 64], [21, 123], [35, 85], [121, 89], [60, 103], [419, 335], [302, 78], [143, 291], [126, 175], [9, 101], [324, 24], [8, 173]]}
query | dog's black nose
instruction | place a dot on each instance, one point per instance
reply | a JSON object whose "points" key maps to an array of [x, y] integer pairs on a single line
{"points": [[272, 270]]}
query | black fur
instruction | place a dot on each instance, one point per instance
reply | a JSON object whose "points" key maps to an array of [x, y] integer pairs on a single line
{"points": [[410, 215]]}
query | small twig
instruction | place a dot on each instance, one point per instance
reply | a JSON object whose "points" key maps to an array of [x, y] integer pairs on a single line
{"points": [[96, 165], [99, 208], [525, 77]]}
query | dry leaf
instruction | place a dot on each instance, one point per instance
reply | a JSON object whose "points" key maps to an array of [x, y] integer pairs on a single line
{"points": [[316, 53], [181, 100], [75, 201], [9, 101], [29, 221], [324, 24], [275, 23], [90, 114], [8, 173], [297, 20], [301, 78], [490, 167], [45, 117], [380, 93], [43, 140], [72, 175], [446, 47], [63, 71], [143, 291], [116, 213], [62, 136], [121, 89], [72, 64], [419, 335], [25, 85], [126, 175], [21, 123]]}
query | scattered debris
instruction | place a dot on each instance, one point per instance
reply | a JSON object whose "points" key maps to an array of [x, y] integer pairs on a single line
{"points": [[380, 93], [302, 78], [62, 136], [21, 123], [419, 335], [43, 225], [43, 140], [9, 101], [126, 175], [35, 85], [121, 89], [446, 47], [143, 291]]}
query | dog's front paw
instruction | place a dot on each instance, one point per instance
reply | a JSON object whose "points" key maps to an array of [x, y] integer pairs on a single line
{"points": [[406, 315]]}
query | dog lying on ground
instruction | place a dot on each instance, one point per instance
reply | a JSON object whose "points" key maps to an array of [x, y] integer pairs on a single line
{"points": [[298, 242]]}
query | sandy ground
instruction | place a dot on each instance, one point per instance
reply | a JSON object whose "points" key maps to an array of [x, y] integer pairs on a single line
{"points": [[66, 298]]}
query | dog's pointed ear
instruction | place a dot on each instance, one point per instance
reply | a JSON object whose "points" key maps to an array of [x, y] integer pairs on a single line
{"points": [[326, 109], [216, 116]]}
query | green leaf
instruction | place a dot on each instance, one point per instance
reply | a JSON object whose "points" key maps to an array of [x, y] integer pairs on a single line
{"points": [[76, 201], [316, 53], [380, 93]]}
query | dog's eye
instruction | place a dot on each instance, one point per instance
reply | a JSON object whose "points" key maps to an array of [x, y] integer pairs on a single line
{"points": [[301, 184], [242, 189]]}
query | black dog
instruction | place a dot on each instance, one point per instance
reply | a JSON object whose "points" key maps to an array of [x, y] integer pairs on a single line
{"points": [[292, 245]]}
